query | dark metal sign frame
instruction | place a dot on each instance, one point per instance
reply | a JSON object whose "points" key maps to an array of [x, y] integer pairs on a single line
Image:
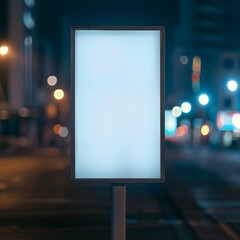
{"points": [[162, 108]]}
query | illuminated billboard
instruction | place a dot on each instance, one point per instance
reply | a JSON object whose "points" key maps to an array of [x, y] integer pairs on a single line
{"points": [[117, 100]]}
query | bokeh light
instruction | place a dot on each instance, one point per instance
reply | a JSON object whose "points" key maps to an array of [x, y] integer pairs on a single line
{"points": [[51, 110], [203, 99], [3, 50], [28, 41], [232, 85], [181, 130], [176, 111], [184, 59], [28, 20], [24, 112], [52, 80], [236, 120], [4, 114], [63, 132], [186, 107], [205, 130], [227, 139], [56, 128], [60, 130], [29, 3], [58, 94], [170, 123]]}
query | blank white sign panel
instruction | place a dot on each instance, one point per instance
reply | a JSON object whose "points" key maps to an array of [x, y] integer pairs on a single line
{"points": [[117, 104]]}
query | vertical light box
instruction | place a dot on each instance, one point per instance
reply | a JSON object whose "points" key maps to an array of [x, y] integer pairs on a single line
{"points": [[117, 104]]}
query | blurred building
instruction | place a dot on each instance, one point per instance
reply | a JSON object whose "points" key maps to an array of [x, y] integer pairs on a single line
{"points": [[39, 39], [202, 51], [228, 70], [38, 35], [210, 30], [3, 58]]}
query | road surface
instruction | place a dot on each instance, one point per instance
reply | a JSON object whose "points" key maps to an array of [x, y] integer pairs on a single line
{"points": [[199, 200]]}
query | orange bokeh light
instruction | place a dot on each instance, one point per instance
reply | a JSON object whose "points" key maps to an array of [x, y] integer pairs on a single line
{"points": [[181, 131], [57, 128]]}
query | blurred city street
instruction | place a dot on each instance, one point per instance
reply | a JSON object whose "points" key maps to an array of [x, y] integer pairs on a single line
{"points": [[199, 200], [48, 106]]}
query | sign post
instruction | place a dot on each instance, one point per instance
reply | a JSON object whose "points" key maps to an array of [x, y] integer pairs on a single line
{"points": [[118, 110], [118, 212]]}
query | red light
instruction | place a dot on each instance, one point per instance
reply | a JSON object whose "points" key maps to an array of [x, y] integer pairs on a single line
{"points": [[195, 77], [181, 131], [220, 121]]}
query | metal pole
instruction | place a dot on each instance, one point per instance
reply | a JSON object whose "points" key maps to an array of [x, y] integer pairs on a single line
{"points": [[118, 212]]}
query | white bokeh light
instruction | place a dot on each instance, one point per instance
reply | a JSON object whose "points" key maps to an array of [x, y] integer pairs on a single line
{"points": [[3, 50], [58, 94], [232, 85], [176, 111], [186, 107], [203, 99], [63, 132], [236, 120], [52, 80]]}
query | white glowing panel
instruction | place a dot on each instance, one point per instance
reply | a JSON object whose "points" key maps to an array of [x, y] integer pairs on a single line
{"points": [[117, 104]]}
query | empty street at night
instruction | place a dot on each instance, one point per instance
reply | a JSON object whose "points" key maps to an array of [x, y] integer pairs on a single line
{"points": [[199, 200]]}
